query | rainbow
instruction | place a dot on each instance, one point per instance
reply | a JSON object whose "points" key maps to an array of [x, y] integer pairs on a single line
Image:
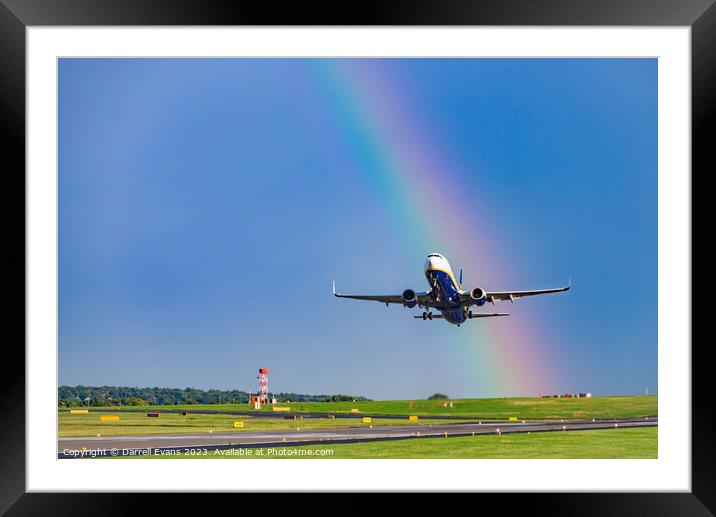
{"points": [[407, 167]]}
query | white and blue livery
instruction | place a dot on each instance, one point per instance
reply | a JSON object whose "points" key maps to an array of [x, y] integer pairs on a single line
{"points": [[446, 295]]}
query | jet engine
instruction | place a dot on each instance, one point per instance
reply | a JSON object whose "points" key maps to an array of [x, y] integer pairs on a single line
{"points": [[409, 298], [478, 296]]}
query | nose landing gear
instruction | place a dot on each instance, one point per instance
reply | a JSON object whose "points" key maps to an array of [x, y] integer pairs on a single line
{"points": [[427, 315]]}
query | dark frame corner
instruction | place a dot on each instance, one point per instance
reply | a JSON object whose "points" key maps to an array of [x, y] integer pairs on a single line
{"points": [[16, 15]]}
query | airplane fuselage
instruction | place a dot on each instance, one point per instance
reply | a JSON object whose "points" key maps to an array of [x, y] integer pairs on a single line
{"points": [[445, 289]]}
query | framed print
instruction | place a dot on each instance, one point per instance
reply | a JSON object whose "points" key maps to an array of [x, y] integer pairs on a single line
{"points": [[211, 206]]}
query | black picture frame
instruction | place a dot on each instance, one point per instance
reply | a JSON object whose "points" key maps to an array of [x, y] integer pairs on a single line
{"points": [[16, 15]]}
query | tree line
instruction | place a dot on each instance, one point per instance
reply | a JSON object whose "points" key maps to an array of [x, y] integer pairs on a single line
{"points": [[73, 396]]}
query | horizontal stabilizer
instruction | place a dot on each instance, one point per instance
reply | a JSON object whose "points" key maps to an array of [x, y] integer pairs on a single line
{"points": [[474, 315]]}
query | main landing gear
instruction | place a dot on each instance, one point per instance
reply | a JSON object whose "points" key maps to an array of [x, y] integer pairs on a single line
{"points": [[427, 315]]}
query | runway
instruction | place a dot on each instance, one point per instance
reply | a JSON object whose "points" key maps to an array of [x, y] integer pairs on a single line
{"points": [[156, 444], [300, 414]]}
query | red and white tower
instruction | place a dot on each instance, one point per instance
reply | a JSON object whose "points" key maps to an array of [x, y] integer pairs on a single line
{"points": [[263, 385]]}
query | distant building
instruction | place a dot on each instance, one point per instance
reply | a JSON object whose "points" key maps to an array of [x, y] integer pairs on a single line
{"points": [[567, 396], [257, 399]]}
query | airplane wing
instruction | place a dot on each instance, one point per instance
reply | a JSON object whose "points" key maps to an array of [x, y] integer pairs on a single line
{"points": [[495, 296], [421, 298]]}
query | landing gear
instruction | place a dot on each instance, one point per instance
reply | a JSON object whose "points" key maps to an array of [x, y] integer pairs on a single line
{"points": [[427, 315], [469, 315]]}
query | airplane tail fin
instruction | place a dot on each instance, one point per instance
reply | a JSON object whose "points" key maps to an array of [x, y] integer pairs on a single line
{"points": [[460, 278]]}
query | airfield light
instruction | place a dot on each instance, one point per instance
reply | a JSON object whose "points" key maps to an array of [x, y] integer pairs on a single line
{"points": [[263, 385]]}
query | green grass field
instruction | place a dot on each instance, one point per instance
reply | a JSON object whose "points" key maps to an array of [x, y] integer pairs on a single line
{"points": [[73, 425], [600, 444], [611, 443], [498, 408]]}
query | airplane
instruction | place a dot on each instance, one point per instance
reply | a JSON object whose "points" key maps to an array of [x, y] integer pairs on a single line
{"points": [[446, 295]]}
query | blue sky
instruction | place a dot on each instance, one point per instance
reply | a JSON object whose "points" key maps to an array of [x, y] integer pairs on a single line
{"points": [[205, 206]]}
